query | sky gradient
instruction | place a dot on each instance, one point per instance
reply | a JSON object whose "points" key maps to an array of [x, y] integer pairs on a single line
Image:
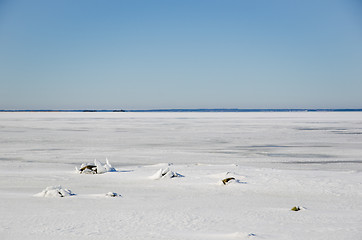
{"points": [[153, 54]]}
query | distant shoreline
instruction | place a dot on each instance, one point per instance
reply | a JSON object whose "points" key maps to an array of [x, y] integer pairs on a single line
{"points": [[199, 110]]}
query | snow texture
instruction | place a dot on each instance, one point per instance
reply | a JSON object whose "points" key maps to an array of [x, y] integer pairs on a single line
{"points": [[310, 160]]}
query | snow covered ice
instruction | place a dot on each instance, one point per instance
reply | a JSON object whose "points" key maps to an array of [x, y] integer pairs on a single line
{"points": [[310, 160]]}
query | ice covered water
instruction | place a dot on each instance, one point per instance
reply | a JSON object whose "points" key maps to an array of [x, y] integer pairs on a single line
{"points": [[322, 140], [277, 161]]}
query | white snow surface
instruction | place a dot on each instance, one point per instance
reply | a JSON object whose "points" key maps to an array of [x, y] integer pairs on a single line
{"points": [[279, 160]]}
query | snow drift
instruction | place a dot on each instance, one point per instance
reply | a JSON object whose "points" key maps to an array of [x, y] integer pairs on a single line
{"points": [[55, 191], [165, 173]]}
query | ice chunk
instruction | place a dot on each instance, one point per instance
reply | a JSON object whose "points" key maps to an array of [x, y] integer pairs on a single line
{"points": [[96, 168], [109, 167], [100, 167]]}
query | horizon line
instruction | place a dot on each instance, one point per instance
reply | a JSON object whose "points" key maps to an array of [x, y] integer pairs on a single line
{"points": [[193, 110]]}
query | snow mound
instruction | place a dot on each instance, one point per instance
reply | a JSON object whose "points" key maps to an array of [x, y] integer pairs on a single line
{"points": [[165, 173], [112, 194], [297, 208], [96, 168], [55, 191]]}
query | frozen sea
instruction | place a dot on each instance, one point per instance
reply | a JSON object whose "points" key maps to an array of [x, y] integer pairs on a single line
{"points": [[279, 159], [317, 140]]}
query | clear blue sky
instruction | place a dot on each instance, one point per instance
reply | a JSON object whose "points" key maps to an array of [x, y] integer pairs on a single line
{"points": [[86, 54]]}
